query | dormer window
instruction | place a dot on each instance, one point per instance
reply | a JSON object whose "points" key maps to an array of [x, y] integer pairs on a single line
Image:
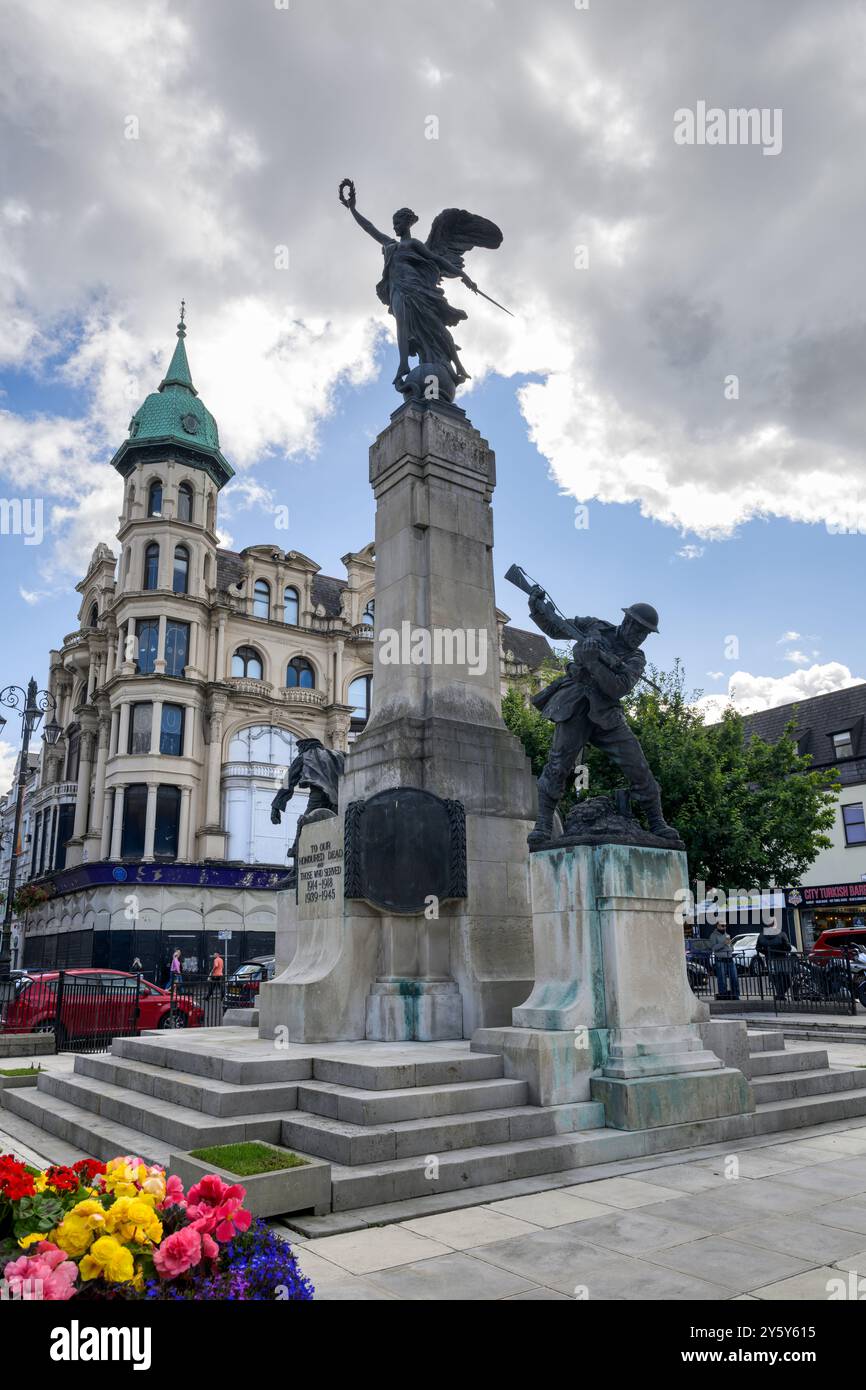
{"points": [[843, 744], [368, 617]]}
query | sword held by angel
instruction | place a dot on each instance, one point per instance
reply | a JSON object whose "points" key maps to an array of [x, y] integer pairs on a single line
{"points": [[410, 286]]}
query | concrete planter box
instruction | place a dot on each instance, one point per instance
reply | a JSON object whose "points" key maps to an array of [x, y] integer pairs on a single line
{"points": [[268, 1194], [8, 1083]]}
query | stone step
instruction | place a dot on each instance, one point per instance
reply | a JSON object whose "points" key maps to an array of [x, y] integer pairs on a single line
{"points": [[175, 1053], [353, 1145], [772, 1063], [183, 1053], [392, 1076], [765, 1040], [798, 1084], [358, 1107], [219, 1098], [172, 1125], [377, 1183], [778, 1115], [88, 1133], [47, 1147]]}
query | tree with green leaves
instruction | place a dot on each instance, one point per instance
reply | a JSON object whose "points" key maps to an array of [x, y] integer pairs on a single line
{"points": [[750, 813]]}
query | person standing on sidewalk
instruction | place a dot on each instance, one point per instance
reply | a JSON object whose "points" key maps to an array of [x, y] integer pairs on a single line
{"points": [[175, 970], [217, 971], [722, 948]]}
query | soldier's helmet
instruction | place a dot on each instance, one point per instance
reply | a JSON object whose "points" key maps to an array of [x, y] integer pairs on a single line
{"points": [[645, 614]]}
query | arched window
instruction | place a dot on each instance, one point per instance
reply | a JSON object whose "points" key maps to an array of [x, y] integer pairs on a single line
{"points": [[359, 698], [301, 673], [93, 620], [262, 599], [291, 607], [151, 566], [211, 510], [247, 662], [368, 617], [184, 502], [154, 498], [180, 573], [257, 759]]}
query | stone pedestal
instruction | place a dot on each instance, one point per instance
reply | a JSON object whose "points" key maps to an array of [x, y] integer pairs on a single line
{"points": [[611, 981], [435, 724]]}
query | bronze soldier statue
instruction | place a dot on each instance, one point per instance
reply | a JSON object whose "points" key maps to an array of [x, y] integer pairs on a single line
{"points": [[584, 704], [318, 768]]}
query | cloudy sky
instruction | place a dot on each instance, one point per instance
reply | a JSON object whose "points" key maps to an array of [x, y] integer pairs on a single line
{"points": [[687, 358]]}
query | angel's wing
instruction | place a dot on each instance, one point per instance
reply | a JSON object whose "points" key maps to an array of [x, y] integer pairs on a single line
{"points": [[455, 230]]}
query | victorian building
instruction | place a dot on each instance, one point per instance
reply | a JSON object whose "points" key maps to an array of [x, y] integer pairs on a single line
{"points": [[181, 695]]}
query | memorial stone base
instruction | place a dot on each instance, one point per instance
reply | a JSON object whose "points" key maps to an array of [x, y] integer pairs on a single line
{"points": [[611, 1016]]}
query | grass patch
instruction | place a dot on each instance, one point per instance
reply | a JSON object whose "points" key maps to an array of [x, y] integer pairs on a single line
{"points": [[19, 1071], [245, 1160]]}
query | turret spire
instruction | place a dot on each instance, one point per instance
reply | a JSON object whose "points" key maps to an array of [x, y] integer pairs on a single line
{"points": [[178, 373]]}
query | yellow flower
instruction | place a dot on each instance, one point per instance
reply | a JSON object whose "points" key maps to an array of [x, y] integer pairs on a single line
{"points": [[32, 1239], [80, 1227], [40, 1182], [109, 1259], [133, 1218], [154, 1185]]}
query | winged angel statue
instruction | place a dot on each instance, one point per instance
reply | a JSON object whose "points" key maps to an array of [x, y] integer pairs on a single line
{"points": [[410, 286]]}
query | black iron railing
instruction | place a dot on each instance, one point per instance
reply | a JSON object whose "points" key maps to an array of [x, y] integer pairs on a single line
{"points": [[789, 983]]}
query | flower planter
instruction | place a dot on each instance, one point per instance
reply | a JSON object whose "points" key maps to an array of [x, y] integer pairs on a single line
{"points": [[8, 1082], [268, 1194]]}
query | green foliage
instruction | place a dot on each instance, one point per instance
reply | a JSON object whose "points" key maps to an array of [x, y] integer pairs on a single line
{"points": [[243, 1160], [750, 813]]}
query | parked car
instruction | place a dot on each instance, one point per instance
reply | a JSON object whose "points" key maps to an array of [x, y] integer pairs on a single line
{"points": [[746, 954], [838, 944], [94, 1002], [242, 987]]}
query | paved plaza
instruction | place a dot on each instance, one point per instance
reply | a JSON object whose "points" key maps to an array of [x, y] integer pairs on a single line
{"points": [[791, 1225]]}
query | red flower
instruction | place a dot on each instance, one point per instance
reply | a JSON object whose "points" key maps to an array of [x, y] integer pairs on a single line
{"points": [[63, 1179], [15, 1181], [88, 1169]]}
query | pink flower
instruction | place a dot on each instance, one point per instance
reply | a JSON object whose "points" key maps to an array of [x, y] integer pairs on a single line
{"points": [[178, 1253], [174, 1192], [47, 1275], [216, 1208]]}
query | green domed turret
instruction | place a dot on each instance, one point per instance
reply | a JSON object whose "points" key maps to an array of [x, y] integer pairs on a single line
{"points": [[174, 418]]}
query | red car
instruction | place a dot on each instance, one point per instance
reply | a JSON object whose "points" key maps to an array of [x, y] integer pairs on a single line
{"points": [[93, 1002], [837, 942]]}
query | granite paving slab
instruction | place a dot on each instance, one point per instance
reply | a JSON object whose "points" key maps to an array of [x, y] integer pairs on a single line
{"points": [[452, 1277], [734, 1264]]}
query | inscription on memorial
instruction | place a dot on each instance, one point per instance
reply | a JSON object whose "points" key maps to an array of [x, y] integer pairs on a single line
{"points": [[320, 866]]}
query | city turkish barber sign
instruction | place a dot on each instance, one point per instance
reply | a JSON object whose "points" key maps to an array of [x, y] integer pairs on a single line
{"points": [[833, 893]]}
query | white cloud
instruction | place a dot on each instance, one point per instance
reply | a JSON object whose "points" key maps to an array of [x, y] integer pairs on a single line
{"points": [[8, 756], [555, 123], [748, 693], [788, 637], [691, 552], [797, 658]]}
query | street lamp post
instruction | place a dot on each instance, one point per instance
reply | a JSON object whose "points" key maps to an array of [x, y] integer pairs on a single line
{"points": [[32, 704]]}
